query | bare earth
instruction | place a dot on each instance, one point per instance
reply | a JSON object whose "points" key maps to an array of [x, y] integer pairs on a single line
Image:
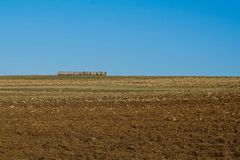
{"points": [[51, 117]]}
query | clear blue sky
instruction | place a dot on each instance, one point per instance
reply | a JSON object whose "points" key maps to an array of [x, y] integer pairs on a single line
{"points": [[122, 37]]}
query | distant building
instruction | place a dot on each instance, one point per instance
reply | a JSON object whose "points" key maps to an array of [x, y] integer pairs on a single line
{"points": [[64, 73]]}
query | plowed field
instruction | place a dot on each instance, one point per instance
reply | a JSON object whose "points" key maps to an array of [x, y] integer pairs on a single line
{"points": [[49, 117]]}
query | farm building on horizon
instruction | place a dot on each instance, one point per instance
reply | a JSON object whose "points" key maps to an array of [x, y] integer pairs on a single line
{"points": [[67, 73]]}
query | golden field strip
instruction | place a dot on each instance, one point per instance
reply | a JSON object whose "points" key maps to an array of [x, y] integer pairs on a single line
{"points": [[51, 117]]}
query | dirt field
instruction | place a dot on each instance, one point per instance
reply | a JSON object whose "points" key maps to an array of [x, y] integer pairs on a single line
{"points": [[119, 118]]}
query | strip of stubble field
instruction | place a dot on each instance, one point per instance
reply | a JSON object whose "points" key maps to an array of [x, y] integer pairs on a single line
{"points": [[52, 84], [52, 87]]}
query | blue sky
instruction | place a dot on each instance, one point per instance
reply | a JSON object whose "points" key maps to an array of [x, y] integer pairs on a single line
{"points": [[122, 37]]}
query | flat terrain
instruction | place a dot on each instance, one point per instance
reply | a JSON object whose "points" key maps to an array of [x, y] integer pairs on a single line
{"points": [[50, 117]]}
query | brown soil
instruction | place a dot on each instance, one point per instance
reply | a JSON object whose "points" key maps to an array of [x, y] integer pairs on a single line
{"points": [[120, 118]]}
